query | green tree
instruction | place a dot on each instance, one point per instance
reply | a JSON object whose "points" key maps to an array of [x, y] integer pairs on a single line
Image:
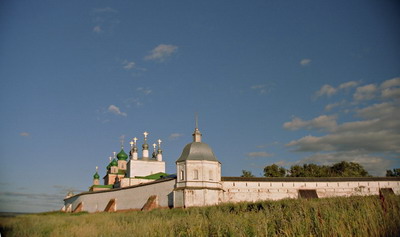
{"points": [[348, 169], [393, 173], [246, 173], [341, 169], [296, 171], [274, 171]]}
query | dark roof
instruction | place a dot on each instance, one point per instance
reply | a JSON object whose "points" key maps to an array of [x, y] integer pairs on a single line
{"points": [[309, 179], [197, 151]]}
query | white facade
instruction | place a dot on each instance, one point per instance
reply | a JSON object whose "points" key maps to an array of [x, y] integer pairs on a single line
{"points": [[143, 168]]}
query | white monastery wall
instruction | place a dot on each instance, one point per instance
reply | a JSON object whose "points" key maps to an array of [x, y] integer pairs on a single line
{"points": [[239, 191], [133, 197]]}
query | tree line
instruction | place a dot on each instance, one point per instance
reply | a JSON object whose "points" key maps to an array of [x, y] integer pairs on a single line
{"points": [[340, 169]]}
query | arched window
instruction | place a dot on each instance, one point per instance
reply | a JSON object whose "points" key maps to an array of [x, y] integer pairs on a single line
{"points": [[182, 175], [195, 174], [210, 175]]}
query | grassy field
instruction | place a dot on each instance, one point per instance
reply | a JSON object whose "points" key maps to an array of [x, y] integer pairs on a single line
{"points": [[354, 216]]}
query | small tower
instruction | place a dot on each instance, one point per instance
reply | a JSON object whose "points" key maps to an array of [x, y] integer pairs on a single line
{"points": [[145, 146], [198, 175], [159, 151], [114, 165], [122, 157], [133, 152], [96, 177]]}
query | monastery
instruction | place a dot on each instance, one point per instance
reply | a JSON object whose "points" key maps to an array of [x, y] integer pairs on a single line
{"points": [[141, 183]]}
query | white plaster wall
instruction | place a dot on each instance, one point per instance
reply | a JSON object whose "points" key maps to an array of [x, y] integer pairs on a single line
{"points": [[144, 168], [203, 169], [200, 197], [126, 198], [255, 191]]}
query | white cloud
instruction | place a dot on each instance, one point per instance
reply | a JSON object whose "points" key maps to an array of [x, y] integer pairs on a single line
{"points": [[391, 93], [105, 19], [24, 134], [260, 88], [128, 65], [133, 101], [382, 110], [391, 83], [365, 92], [115, 110], [259, 154], [305, 61], [348, 85], [371, 138], [161, 52], [144, 90], [175, 136], [327, 90], [329, 107], [97, 29], [323, 122]]}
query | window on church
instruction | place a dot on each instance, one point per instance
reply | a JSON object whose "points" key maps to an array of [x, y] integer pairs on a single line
{"points": [[195, 174], [182, 175], [210, 175]]}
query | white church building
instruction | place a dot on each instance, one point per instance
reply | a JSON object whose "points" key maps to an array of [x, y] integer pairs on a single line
{"points": [[141, 183]]}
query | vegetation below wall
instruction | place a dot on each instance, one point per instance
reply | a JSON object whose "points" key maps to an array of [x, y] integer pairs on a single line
{"points": [[354, 216]]}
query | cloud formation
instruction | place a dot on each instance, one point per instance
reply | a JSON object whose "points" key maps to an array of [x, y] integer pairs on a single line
{"points": [[104, 19], [97, 29], [305, 61], [175, 136], [24, 134], [328, 90], [161, 52], [144, 90], [371, 138], [323, 122], [365, 92], [261, 89], [115, 110], [128, 65]]}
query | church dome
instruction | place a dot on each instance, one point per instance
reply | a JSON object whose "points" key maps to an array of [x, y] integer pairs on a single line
{"points": [[96, 176], [114, 163], [197, 151], [122, 155]]}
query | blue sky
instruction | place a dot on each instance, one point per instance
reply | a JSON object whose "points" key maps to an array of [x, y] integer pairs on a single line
{"points": [[286, 82]]}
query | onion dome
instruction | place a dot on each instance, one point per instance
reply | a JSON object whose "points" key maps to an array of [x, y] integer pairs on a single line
{"points": [[122, 155], [114, 163], [197, 151], [145, 146], [96, 176]]}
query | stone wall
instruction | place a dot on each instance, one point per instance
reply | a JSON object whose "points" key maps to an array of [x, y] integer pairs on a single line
{"points": [[133, 197], [236, 189]]}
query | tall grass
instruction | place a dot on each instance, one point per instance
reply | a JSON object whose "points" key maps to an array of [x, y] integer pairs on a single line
{"points": [[353, 216]]}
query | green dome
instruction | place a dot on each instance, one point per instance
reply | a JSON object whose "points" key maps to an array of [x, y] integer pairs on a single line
{"points": [[145, 146], [122, 155], [114, 163], [96, 176]]}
